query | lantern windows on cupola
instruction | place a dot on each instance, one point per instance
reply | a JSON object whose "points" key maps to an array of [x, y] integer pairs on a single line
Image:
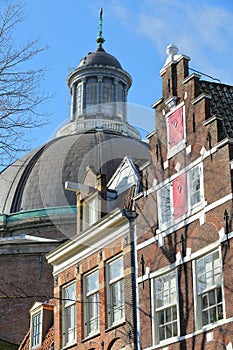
{"points": [[99, 88]]}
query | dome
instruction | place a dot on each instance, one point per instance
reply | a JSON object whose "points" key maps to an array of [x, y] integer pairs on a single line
{"points": [[37, 180], [99, 57]]}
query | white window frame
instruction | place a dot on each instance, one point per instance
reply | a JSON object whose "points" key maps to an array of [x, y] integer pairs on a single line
{"points": [[191, 208], [69, 311], [116, 311], [164, 309], [206, 293], [90, 211], [36, 329], [171, 151], [201, 186], [161, 206], [91, 299]]}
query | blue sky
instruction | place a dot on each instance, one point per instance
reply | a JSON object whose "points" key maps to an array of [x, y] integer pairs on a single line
{"points": [[137, 33]]}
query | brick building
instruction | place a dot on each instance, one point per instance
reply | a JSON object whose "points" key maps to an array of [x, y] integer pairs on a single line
{"points": [[94, 275], [184, 226], [37, 213], [153, 271]]}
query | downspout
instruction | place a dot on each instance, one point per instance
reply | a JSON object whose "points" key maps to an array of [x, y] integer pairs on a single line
{"points": [[135, 284]]}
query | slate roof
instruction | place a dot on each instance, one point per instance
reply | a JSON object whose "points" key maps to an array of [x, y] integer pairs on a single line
{"points": [[99, 57], [37, 180], [221, 103]]}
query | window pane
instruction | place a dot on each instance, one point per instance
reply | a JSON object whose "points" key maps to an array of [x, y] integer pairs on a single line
{"points": [[195, 185], [92, 282], [116, 268], [70, 294], [164, 198], [220, 312], [205, 301], [168, 315], [175, 332], [205, 319], [212, 298], [161, 333], [219, 295]]}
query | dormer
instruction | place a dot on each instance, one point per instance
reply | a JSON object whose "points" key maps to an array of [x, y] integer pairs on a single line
{"points": [[41, 319]]}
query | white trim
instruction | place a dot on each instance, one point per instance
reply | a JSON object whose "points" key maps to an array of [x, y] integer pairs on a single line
{"points": [[191, 165], [89, 241], [171, 151], [190, 257], [87, 332], [200, 97], [197, 309], [191, 335], [71, 303], [93, 246], [191, 209], [24, 238], [218, 202], [187, 221], [153, 308], [109, 282]]}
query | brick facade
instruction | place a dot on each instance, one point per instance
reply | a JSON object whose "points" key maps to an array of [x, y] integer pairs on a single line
{"points": [[178, 246]]}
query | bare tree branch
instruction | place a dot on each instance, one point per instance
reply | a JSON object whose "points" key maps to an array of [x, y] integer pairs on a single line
{"points": [[20, 94]]}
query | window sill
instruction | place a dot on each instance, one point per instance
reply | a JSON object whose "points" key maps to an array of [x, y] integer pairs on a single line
{"points": [[90, 336], [212, 325], [176, 149], [172, 225], [166, 342], [115, 325], [70, 345]]}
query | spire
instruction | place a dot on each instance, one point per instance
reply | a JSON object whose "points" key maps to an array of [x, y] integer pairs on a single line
{"points": [[100, 40]]}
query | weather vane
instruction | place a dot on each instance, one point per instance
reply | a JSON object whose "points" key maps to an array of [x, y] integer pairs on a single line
{"points": [[100, 40]]}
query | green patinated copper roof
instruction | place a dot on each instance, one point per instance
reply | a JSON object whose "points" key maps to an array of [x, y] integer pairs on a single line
{"points": [[28, 214]]}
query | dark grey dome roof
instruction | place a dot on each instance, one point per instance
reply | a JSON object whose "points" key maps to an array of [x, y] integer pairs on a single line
{"points": [[100, 57], [37, 180]]}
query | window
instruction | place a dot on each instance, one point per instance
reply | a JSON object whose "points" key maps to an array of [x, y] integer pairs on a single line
{"points": [[116, 310], [36, 330], [69, 314], [91, 305], [121, 101], [180, 196], [195, 185], [91, 96], [107, 96], [164, 205], [79, 98], [165, 307], [90, 211], [209, 289], [176, 131]]}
